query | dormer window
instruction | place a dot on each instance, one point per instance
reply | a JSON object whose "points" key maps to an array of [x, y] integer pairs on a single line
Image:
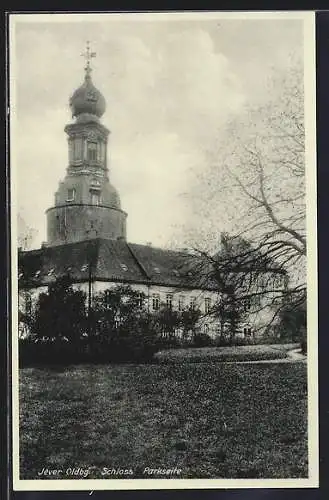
{"points": [[157, 270], [92, 151], [70, 194], [124, 267]]}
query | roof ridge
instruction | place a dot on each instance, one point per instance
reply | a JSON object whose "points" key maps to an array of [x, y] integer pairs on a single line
{"points": [[166, 250]]}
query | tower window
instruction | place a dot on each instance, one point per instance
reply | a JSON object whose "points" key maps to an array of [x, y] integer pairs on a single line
{"points": [[92, 151], [95, 198], [70, 194], [77, 149]]}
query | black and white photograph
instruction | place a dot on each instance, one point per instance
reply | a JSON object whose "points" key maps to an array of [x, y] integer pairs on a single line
{"points": [[163, 242]]}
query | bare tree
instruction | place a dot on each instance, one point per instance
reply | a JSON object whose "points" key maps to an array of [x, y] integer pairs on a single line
{"points": [[259, 172], [269, 170]]}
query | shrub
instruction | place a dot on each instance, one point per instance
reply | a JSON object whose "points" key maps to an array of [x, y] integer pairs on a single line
{"points": [[202, 340], [119, 329]]}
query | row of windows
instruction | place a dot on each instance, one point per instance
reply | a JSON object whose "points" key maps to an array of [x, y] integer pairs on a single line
{"points": [[181, 304], [90, 150]]}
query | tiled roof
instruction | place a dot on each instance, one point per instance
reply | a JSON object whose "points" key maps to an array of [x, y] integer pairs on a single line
{"points": [[113, 260]]}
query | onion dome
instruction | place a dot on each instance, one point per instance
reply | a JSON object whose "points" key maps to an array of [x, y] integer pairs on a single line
{"points": [[87, 99]]}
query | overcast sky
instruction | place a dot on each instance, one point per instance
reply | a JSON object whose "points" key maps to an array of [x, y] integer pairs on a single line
{"points": [[171, 87]]}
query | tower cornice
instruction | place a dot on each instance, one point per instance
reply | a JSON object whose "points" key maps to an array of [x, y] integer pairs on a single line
{"points": [[86, 129]]}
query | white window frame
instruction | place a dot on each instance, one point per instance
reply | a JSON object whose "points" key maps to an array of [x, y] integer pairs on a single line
{"points": [[169, 300], [95, 195], [72, 192], [181, 302], [156, 301], [207, 304], [192, 303]]}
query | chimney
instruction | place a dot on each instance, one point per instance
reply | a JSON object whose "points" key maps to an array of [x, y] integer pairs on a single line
{"points": [[44, 244], [149, 243]]}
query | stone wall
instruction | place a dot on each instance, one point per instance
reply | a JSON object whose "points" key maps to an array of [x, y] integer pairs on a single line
{"points": [[71, 223]]}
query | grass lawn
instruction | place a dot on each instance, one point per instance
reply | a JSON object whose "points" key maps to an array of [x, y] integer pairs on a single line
{"points": [[211, 420], [257, 352]]}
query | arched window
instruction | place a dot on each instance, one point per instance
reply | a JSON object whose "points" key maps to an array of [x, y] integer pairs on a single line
{"points": [[77, 149], [92, 151]]}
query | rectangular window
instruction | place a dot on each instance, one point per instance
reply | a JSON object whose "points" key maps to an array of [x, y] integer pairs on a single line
{"points": [[77, 149], [169, 300], [95, 198], [181, 303], [140, 300], [28, 305], [247, 331], [207, 305], [92, 151], [107, 298], [156, 301], [70, 194], [192, 302]]}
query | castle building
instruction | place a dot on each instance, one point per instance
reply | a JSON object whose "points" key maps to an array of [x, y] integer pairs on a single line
{"points": [[86, 228], [87, 234]]}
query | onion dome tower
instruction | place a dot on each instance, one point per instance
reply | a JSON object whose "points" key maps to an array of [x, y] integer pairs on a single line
{"points": [[86, 204]]}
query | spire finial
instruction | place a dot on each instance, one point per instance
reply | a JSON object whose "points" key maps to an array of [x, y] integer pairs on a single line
{"points": [[88, 55]]}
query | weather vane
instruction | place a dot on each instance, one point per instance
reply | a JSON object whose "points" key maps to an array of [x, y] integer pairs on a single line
{"points": [[88, 55]]}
